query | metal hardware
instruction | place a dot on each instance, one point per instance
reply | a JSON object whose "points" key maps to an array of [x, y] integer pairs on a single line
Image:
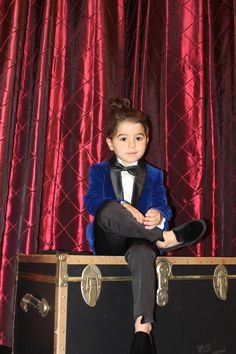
{"points": [[62, 274], [61, 296], [103, 279], [41, 278], [163, 270], [40, 305], [91, 284], [164, 274], [220, 282]]}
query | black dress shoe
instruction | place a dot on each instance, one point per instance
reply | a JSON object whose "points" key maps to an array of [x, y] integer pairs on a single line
{"points": [[142, 344], [188, 234]]}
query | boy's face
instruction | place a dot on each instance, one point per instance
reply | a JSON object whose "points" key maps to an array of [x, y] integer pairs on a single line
{"points": [[129, 143]]}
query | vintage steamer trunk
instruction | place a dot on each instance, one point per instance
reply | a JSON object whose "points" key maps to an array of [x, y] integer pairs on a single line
{"points": [[67, 304]]}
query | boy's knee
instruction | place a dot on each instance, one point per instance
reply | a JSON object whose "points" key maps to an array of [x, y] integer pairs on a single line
{"points": [[106, 208], [105, 212]]}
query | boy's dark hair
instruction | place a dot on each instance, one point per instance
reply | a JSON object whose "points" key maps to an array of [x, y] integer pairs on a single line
{"points": [[120, 111]]}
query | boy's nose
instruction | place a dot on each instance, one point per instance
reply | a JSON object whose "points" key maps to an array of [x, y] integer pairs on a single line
{"points": [[131, 143]]}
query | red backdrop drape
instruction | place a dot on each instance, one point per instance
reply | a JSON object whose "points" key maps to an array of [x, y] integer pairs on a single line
{"points": [[60, 63]]}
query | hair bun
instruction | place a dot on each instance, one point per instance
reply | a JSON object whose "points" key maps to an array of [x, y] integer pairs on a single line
{"points": [[119, 104]]}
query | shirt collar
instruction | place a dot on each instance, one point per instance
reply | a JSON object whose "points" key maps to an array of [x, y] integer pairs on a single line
{"points": [[131, 164]]}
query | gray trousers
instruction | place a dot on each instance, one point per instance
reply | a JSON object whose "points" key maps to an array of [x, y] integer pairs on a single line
{"points": [[118, 233]]}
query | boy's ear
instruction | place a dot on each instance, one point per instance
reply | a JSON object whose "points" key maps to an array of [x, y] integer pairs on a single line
{"points": [[109, 143]]}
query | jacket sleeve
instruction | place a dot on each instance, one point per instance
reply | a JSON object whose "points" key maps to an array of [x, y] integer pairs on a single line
{"points": [[95, 195], [159, 198]]}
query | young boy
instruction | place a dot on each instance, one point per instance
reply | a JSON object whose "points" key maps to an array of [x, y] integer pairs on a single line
{"points": [[128, 199]]}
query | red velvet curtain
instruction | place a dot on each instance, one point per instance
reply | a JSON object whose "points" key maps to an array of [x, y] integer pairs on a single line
{"points": [[60, 63]]}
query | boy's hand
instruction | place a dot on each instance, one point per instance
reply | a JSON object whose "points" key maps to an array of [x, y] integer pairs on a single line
{"points": [[152, 218], [135, 212]]}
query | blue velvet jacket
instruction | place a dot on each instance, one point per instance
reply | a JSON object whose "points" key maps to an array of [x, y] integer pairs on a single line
{"points": [[104, 184]]}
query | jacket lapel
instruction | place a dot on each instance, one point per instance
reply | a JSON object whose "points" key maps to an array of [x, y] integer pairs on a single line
{"points": [[116, 180], [139, 182]]}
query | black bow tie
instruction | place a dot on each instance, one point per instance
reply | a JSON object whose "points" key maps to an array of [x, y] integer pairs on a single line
{"points": [[133, 170]]}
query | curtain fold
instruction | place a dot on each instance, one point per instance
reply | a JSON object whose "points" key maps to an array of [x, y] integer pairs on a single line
{"points": [[185, 110], [61, 61]]}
